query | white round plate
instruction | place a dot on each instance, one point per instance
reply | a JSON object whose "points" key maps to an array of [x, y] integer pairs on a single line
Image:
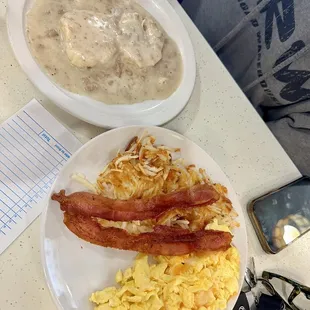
{"points": [[151, 112], [74, 268]]}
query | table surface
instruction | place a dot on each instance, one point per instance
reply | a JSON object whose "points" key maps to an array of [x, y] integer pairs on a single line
{"points": [[218, 117]]}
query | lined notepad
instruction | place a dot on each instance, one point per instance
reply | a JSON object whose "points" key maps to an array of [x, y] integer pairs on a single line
{"points": [[33, 148]]}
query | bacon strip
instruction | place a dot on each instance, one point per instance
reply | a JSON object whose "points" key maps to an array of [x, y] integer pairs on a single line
{"points": [[134, 209], [163, 241]]}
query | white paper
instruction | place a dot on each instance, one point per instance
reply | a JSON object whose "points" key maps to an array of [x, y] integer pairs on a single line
{"points": [[33, 148]]}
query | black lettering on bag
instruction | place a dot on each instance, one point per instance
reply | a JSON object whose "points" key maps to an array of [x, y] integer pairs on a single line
{"points": [[294, 79], [285, 24]]}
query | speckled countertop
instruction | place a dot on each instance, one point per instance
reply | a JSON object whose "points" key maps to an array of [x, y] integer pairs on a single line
{"points": [[218, 117]]}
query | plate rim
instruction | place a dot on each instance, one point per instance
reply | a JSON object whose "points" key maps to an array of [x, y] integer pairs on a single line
{"points": [[84, 146], [154, 112]]}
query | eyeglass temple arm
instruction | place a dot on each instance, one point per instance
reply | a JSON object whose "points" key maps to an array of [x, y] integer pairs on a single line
{"points": [[302, 288], [295, 292]]}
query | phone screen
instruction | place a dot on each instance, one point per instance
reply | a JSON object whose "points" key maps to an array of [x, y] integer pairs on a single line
{"points": [[284, 215]]}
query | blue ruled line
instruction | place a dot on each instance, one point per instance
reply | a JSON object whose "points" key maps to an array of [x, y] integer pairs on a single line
{"points": [[15, 204], [8, 216], [14, 184], [20, 160], [47, 132], [34, 139], [27, 169], [35, 183], [17, 176], [5, 224], [43, 139], [48, 169], [8, 196]]}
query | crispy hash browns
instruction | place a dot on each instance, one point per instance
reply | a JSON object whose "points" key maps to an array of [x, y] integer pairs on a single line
{"points": [[145, 170]]}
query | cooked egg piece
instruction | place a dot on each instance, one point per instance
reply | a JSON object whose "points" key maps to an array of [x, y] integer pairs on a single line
{"points": [[214, 225], [198, 282]]}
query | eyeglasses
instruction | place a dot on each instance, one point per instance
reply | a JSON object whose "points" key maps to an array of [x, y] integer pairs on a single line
{"points": [[298, 289]]}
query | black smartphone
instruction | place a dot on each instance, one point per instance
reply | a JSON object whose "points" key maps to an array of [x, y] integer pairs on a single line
{"points": [[282, 216]]}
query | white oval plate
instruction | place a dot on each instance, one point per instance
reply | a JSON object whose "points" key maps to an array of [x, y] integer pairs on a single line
{"points": [[74, 268], [151, 112]]}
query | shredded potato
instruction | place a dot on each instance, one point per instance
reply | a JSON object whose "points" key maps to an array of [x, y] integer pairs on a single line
{"points": [[145, 170]]}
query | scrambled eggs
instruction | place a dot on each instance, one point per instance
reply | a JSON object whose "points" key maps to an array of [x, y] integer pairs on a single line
{"points": [[202, 282]]}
